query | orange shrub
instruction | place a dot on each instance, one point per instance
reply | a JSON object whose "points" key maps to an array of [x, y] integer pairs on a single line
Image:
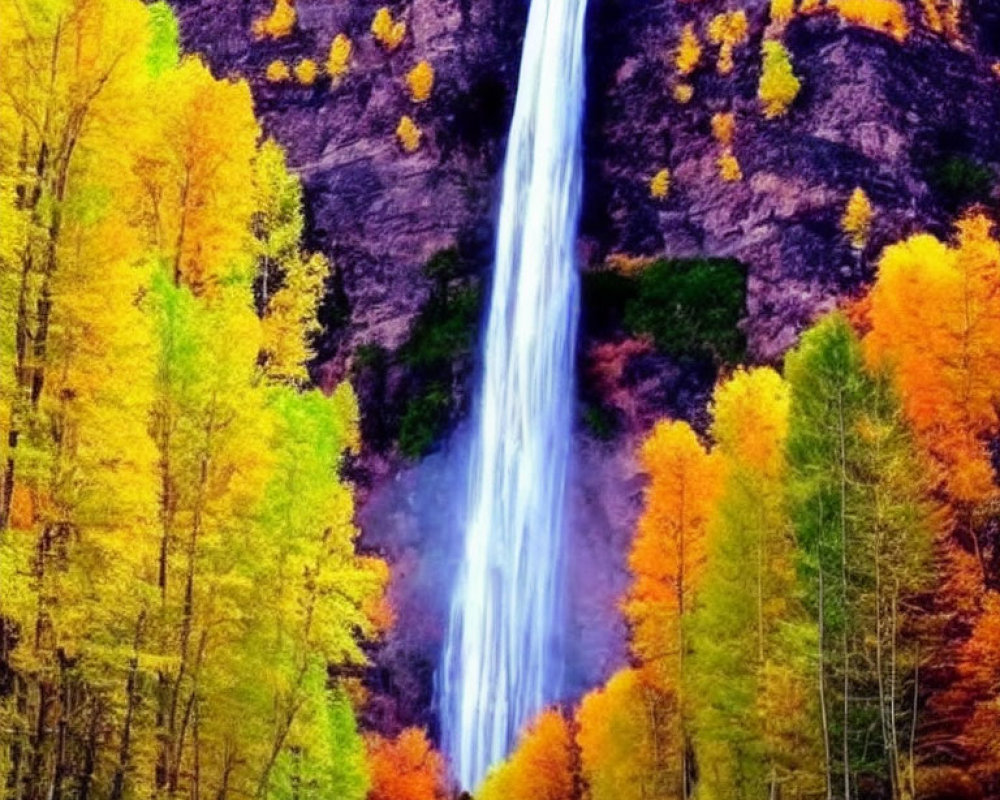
{"points": [[729, 167], [728, 31]]}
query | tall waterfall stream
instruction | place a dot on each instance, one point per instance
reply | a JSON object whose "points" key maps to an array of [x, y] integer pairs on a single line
{"points": [[503, 658]]}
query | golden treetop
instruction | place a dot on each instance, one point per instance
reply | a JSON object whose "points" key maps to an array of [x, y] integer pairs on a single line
{"points": [[857, 219], [420, 81], [387, 31], [339, 58]]}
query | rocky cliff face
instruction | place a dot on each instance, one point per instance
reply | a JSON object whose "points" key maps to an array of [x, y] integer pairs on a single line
{"points": [[913, 124]]}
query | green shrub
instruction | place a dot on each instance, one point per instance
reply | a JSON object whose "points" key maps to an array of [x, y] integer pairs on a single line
{"points": [[960, 181], [691, 308], [424, 419], [444, 266], [443, 334], [444, 331], [601, 422]]}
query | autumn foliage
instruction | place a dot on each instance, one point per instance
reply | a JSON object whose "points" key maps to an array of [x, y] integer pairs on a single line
{"points": [[728, 31], [541, 766], [408, 134], [688, 53], [856, 222], [173, 529], [405, 768], [778, 85], [387, 31], [420, 81], [339, 58], [885, 16], [279, 23], [950, 400], [659, 184]]}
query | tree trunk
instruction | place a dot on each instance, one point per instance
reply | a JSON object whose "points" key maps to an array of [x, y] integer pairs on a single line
{"points": [[125, 748]]}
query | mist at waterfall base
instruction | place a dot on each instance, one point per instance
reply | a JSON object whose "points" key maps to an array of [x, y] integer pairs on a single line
{"points": [[417, 520], [504, 656]]}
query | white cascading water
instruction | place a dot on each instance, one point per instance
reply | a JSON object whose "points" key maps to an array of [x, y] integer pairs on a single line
{"points": [[503, 657]]}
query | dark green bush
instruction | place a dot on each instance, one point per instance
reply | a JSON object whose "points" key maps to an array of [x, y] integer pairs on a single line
{"points": [[424, 419], [600, 422], [691, 308], [604, 295], [445, 330], [961, 181], [443, 334]]}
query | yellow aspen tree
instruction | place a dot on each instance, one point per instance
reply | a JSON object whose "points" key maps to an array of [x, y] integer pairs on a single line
{"points": [[782, 11], [96, 56], [193, 187], [420, 82], [279, 23], [387, 32], [778, 84], [728, 31], [750, 638], [306, 72], [74, 446], [164, 483], [688, 54], [857, 220], [621, 757], [659, 184], [683, 92], [541, 766], [408, 134], [667, 561], [339, 59], [290, 322], [277, 72]]}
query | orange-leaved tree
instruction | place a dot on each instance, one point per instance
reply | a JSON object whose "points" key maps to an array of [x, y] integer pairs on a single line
{"points": [[945, 354], [668, 563], [540, 768], [405, 768], [945, 357]]}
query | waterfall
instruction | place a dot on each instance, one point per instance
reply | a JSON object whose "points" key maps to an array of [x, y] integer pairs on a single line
{"points": [[503, 654]]}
